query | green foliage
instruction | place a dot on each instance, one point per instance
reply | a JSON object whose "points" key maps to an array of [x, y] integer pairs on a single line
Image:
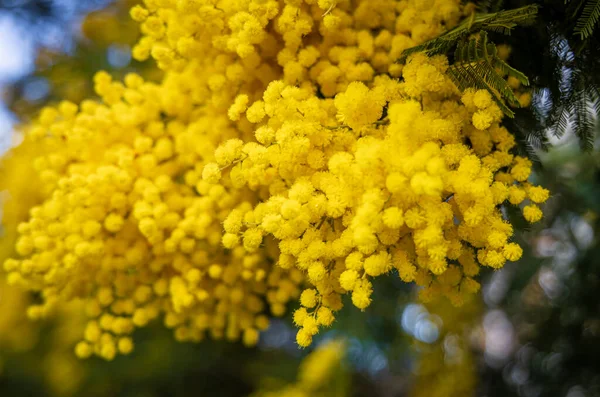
{"points": [[476, 61], [499, 22], [476, 64], [589, 14], [556, 54], [573, 103], [584, 96]]}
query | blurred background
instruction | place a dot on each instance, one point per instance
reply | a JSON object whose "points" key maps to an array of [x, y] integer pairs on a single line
{"points": [[533, 331]]}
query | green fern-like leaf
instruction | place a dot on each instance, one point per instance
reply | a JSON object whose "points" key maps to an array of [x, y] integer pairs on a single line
{"points": [[594, 97], [583, 106], [574, 101], [476, 65], [500, 22], [588, 19], [583, 123], [560, 121], [476, 61]]}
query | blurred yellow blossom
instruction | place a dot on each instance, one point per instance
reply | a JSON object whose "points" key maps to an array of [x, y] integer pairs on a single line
{"points": [[316, 375]]}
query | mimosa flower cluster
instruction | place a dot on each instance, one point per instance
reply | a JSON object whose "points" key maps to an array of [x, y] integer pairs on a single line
{"points": [[351, 202], [18, 193], [20, 188], [285, 155], [120, 233]]}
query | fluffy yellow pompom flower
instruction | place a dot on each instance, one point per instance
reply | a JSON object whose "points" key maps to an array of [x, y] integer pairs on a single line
{"points": [[325, 316], [359, 106], [532, 213], [361, 296], [538, 194], [482, 99], [211, 173], [300, 315], [392, 217], [482, 120], [512, 252], [308, 298], [238, 107], [303, 338]]}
